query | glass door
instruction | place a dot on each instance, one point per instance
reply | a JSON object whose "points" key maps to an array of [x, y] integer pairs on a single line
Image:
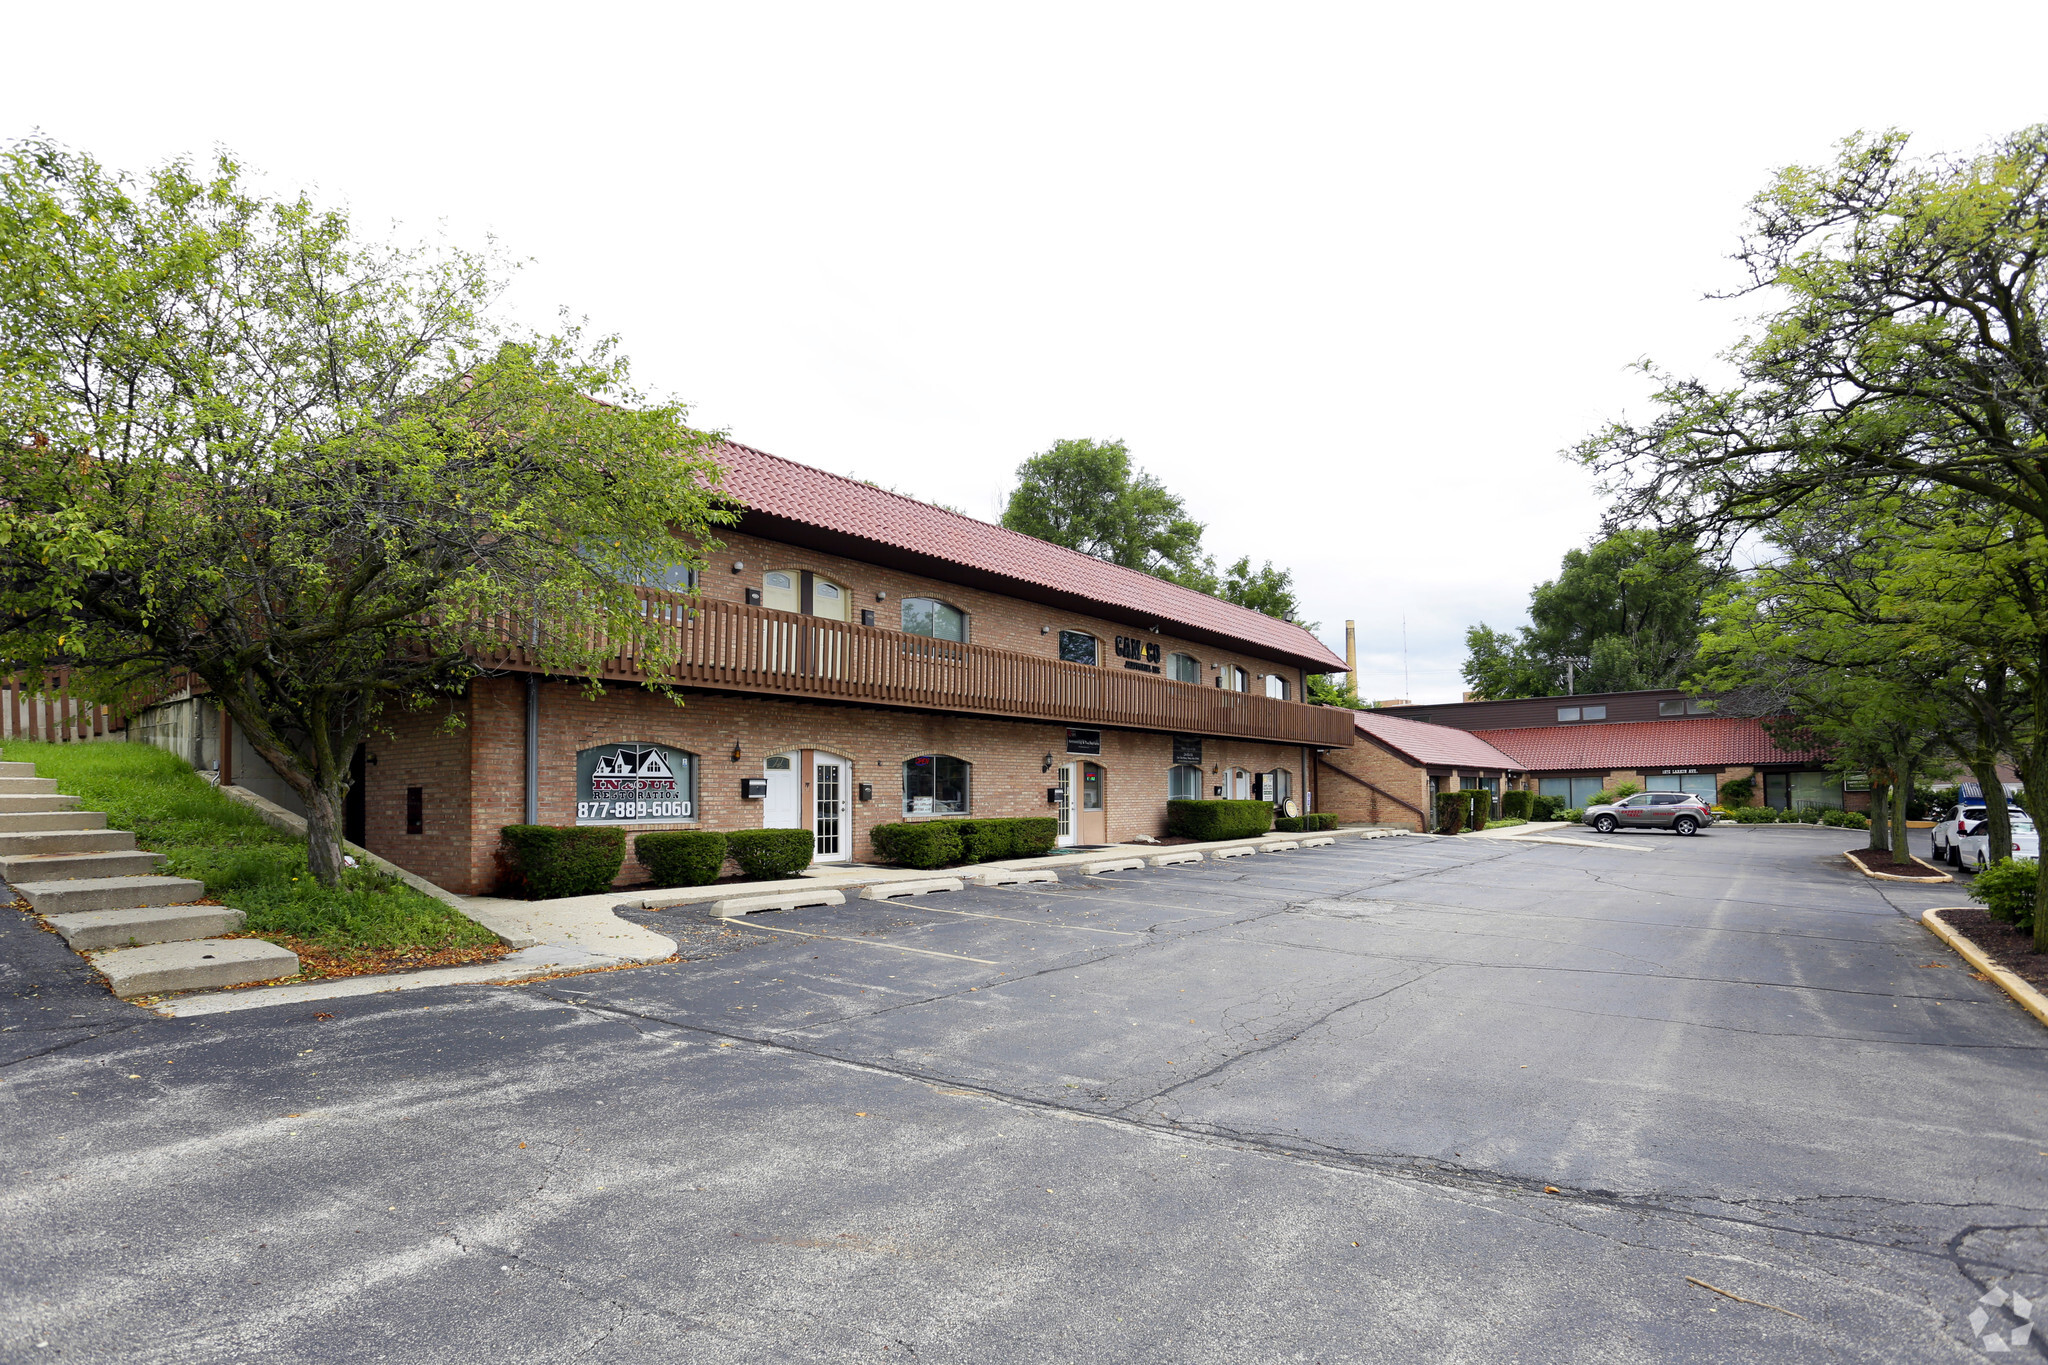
{"points": [[832, 809], [1066, 805]]}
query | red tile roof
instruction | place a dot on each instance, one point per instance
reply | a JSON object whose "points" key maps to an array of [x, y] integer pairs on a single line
{"points": [[795, 492], [1434, 745], [1691, 742]]}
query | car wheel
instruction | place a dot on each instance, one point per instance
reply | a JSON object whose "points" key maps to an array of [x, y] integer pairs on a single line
{"points": [[1685, 824], [1604, 823]]}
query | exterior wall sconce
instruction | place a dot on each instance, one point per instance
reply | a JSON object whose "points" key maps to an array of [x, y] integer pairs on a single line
{"points": [[735, 751], [739, 566], [1046, 766], [1045, 630], [881, 597]]}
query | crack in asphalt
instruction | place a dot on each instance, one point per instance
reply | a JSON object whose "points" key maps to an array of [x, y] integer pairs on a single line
{"points": [[69, 1043]]}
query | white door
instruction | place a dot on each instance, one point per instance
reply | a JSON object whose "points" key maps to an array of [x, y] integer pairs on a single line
{"points": [[783, 808], [1240, 785], [1066, 806], [831, 783]]}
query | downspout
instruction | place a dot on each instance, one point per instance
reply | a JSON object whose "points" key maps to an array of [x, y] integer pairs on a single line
{"points": [[532, 749]]}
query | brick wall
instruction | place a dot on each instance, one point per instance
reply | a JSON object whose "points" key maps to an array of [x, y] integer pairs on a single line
{"points": [[462, 849], [1392, 772], [993, 619]]}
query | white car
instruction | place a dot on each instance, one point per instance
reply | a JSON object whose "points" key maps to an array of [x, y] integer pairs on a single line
{"points": [[1949, 828], [1975, 845]]}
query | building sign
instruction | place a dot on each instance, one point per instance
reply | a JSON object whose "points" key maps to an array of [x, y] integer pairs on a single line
{"points": [[1084, 741], [631, 784], [1187, 749], [1137, 653]]}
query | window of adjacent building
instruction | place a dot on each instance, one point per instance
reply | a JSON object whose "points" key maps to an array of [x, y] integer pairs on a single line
{"points": [[1695, 707], [926, 616], [1575, 791], [935, 784], [1693, 784], [1674, 707], [1276, 686], [1077, 647], [1183, 668], [1567, 713], [1184, 782], [1593, 712]]}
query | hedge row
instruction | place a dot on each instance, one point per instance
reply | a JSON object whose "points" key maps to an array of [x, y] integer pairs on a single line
{"points": [[1218, 819], [942, 843], [1305, 824], [1451, 810], [1516, 805], [555, 860]]}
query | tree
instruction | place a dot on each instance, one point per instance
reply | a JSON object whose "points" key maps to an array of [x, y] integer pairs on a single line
{"points": [[1904, 352], [308, 469], [1085, 495], [1624, 611], [1336, 689]]}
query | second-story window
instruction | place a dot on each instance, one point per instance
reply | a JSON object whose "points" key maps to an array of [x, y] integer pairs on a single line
{"points": [[1234, 679], [1183, 668], [1077, 647], [926, 616], [1276, 686]]}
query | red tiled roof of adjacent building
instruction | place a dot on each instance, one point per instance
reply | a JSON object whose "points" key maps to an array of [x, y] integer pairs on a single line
{"points": [[847, 507], [1435, 746], [1691, 742]]}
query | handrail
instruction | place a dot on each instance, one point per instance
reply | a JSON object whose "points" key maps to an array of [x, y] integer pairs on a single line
{"points": [[727, 646]]}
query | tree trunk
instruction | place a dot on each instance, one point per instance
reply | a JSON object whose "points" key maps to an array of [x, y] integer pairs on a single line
{"points": [[1880, 814], [1985, 770], [1902, 789]]}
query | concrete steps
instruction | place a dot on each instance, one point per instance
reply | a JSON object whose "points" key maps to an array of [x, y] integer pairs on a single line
{"points": [[69, 839], [109, 901], [108, 893], [27, 821], [53, 867]]}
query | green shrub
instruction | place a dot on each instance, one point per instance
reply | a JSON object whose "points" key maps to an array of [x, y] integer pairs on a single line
{"points": [[1603, 798], [1451, 808], [923, 843], [1810, 815], [566, 860], [688, 857], [1626, 789], [987, 840], [1480, 811], [1305, 824], [771, 854], [1738, 792], [1832, 817], [1572, 813], [2007, 890], [1855, 819], [1515, 805], [1218, 819], [1547, 808]]}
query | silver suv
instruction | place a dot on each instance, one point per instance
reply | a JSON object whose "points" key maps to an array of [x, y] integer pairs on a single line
{"points": [[1680, 811]]}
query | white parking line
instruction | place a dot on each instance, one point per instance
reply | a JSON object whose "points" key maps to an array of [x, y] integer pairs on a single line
{"points": [[871, 943]]}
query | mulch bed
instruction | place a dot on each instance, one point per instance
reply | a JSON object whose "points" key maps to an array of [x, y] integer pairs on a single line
{"points": [[1881, 860], [317, 962], [2002, 943]]}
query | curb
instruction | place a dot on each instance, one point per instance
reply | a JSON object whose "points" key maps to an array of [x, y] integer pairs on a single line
{"points": [[1939, 875], [2024, 995]]}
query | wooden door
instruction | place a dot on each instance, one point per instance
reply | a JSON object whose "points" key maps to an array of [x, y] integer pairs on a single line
{"points": [[1094, 823]]}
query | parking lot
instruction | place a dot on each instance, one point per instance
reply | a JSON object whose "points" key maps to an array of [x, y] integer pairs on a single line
{"points": [[1450, 1099]]}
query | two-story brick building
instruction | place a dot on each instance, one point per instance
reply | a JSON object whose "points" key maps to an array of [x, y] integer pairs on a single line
{"points": [[853, 657]]}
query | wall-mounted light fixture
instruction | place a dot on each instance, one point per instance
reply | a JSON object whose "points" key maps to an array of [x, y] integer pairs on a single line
{"points": [[881, 597], [1046, 766], [1045, 630], [735, 751], [739, 566]]}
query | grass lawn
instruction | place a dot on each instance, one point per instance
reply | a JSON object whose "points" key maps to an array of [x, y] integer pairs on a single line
{"points": [[372, 921], [1504, 824]]}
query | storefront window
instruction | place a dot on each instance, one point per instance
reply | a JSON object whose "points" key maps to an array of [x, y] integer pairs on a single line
{"points": [[935, 784], [1184, 782], [1575, 791], [1697, 784]]}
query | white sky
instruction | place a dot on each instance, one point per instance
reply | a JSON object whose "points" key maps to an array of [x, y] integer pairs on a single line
{"points": [[1345, 276]]}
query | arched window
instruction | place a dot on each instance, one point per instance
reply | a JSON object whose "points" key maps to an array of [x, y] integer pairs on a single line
{"points": [[928, 616], [1077, 647], [936, 784], [1276, 686], [1234, 679], [1183, 668], [1184, 782]]}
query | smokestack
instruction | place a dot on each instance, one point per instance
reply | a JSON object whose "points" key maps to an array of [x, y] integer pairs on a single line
{"points": [[1351, 651]]}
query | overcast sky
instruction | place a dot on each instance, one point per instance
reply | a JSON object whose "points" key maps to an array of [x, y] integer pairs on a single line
{"points": [[1347, 277]]}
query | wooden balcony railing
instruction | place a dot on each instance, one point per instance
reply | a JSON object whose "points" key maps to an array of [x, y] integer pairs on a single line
{"points": [[754, 649]]}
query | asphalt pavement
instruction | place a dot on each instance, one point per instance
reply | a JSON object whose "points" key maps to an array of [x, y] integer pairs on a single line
{"points": [[1411, 1099]]}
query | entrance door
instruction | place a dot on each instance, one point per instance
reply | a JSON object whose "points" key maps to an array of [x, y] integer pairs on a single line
{"points": [[1094, 822], [783, 808], [1065, 812], [832, 808], [1239, 788]]}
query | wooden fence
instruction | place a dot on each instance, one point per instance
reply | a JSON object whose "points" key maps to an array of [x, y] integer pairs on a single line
{"points": [[43, 708], [754, 649]]}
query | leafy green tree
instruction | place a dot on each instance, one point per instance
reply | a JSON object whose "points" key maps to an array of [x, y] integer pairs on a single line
{"points": [[1086, 496], [1336, 689], [1625, 611], [310, 469], [1904, 351]]}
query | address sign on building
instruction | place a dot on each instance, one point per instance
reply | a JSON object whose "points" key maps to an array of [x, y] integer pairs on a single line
{"points": [[632, 784]]}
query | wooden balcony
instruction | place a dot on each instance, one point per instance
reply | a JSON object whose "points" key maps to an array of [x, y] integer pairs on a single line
{"points": [[752, 649]]}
